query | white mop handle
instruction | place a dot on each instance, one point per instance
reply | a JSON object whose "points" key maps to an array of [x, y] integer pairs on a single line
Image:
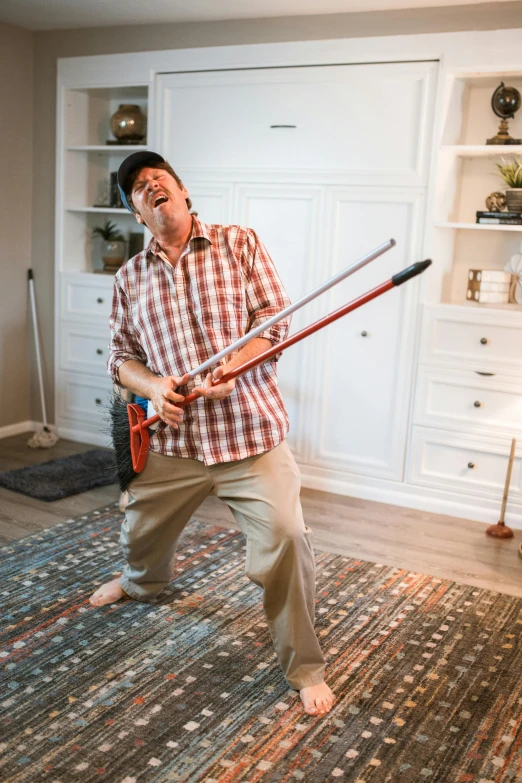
{"points": [[293, 307], [37, 343]]}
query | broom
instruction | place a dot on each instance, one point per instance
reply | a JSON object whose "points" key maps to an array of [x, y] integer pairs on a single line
{"points": [[130, 426]]}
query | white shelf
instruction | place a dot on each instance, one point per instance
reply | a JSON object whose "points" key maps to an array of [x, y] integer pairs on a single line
{"points": [[108, 148], [481, 226], [103, 210], [482, 150]]}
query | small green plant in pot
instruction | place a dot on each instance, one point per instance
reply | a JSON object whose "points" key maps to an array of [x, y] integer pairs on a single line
{"points": [[511, 173], [113, 246]]}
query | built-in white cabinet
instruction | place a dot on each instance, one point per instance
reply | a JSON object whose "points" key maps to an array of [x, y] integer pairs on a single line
{"points": [[326, 149]]}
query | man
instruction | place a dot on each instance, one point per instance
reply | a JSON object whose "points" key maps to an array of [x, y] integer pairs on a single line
{"points": [[196, 289]]}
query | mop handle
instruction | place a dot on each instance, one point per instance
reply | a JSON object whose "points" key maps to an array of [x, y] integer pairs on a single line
{"points": [[293, 307], [396, 280], [37, 342]]}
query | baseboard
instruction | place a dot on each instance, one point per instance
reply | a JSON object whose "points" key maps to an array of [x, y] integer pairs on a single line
{"points": [[410, 496], [16, 429], [84, 436]]}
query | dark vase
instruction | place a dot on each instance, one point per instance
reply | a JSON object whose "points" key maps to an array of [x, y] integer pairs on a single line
{"points": [[129, 124]]}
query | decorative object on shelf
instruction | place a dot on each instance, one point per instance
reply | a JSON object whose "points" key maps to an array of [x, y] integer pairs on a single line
{"points": [[505, 102], [128, 124], [103, 200], [514, 267], [501, 530], [136, 243], [488, 286], [511, 173], [500, 218], [113, 246], [496, 201], [115, 198]]}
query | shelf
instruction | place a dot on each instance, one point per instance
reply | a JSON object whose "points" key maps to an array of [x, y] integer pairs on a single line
{"points": [[108, 148], [101, 210], [481, 226], [482, 150]]}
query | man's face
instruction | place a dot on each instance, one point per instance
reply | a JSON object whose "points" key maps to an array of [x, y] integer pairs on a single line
{"points": [[159, 199]]}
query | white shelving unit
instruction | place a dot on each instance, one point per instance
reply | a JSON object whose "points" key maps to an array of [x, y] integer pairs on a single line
{"points": [[83, 289]]}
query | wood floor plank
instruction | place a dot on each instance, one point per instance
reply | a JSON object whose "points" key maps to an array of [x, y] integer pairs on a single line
{"points": [[443, 546]]}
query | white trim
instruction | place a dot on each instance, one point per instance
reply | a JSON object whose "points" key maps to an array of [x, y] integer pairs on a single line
{"points": [[83, 436], [21, 427], [409, 496]]}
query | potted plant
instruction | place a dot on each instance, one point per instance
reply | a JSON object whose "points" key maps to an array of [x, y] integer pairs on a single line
{"points": [[511, 173], [113, 246]]}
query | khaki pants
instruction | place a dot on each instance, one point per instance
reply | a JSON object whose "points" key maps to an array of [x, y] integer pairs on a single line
{"points": [[263, 495]]}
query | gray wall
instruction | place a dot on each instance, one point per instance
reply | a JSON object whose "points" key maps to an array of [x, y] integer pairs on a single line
{"points": [[110, 40], [16, 101]]}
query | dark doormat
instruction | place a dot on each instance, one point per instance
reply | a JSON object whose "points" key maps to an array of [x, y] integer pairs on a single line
{"points": [[63, 477]]}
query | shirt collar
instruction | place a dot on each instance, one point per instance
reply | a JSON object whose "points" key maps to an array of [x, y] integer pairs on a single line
{"points": [[199, 231]]}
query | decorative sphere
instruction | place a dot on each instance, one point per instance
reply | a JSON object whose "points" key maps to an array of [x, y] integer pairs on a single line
{"points": [[505, 101], [496, 201]]}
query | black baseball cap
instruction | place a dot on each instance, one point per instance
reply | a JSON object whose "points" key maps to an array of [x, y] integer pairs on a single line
{"points": [[138, 160]]}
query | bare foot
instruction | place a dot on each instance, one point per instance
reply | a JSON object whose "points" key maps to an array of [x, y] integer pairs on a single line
{"points": [[108, 593], [317, 699]]}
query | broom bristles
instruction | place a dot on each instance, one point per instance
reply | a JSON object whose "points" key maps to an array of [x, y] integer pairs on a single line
{"points": [[120, 435]]}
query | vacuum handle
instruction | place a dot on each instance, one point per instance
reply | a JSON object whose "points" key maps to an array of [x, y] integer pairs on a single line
{"points": [[407, 274]]}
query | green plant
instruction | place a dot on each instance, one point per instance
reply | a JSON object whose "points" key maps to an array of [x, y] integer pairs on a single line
{"points": [[109, 232], [511, 173]]}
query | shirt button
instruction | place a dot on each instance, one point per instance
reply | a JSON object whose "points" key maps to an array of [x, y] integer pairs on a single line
{"points": [[191, 346]]}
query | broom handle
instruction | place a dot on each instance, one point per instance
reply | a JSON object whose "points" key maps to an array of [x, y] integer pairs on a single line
{"points": [[396, 280], [293, 307], [508, 480], [37, 344]]}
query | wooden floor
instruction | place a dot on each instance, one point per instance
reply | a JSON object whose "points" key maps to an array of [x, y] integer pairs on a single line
{"points": [[433, 544]]}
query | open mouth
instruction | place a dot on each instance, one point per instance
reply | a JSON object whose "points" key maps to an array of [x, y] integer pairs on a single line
{"points": [[159, 200]]}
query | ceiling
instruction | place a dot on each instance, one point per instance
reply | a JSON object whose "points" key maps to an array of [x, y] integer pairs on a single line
{"points": [[63, 14]]}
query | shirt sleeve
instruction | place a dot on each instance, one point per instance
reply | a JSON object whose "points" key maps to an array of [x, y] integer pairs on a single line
{"points": [[265, 294], [124, 343]]}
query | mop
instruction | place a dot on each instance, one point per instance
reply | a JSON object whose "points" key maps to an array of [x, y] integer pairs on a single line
{"points": [[45, 439], [129, 425]]}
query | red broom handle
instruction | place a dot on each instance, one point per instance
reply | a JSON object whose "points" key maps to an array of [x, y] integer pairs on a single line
{"points": [[396, 280]]}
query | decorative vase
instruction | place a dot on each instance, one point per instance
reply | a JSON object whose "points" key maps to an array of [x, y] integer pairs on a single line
{"points": [[113, 255], [129, 124], [514, 199]]}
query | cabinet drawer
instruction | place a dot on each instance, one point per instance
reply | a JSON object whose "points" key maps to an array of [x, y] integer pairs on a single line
{"points": [[85, 299], [468, 401], [83, 351], [84, 398], [474, 340], [448, 461]]}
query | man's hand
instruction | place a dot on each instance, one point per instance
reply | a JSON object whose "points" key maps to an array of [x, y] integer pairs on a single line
{"points": [[163, 397], [221, 390]]}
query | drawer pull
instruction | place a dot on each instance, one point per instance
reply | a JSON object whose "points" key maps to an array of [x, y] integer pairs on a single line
{"points": [[486, 374], [364, 333], [99, 351], [471, 465], [98, 401], [283, 126], [99, 300], [484, 340], [477, 404]]}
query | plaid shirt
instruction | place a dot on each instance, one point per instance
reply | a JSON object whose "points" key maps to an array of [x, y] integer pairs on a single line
{"points": [[172, 319]]}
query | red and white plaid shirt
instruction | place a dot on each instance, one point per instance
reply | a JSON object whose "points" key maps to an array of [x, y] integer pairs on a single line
{"points": [[172, 319]]}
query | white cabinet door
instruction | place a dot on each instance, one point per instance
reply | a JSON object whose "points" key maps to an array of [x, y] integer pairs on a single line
{"points": [[364, 363], [286, 220], [368, 120]]}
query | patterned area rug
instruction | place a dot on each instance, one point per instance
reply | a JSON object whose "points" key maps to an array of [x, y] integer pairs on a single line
{"points": [[63, 477], [427, 673]]}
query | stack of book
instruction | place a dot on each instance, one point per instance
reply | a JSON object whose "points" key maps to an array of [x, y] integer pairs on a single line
{"points": [[488, 286], [506, 218]]}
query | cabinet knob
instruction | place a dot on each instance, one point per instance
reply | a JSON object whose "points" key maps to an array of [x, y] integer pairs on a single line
{"points": [[99, 300], [98, 401], [477, 404], [484, 340], [471, 465], [364, 333], [99, 351]]}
